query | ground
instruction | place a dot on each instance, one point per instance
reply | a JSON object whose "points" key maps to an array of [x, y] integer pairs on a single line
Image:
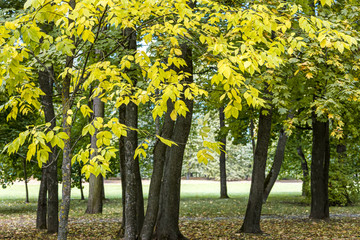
{"points": [[203, 215]]}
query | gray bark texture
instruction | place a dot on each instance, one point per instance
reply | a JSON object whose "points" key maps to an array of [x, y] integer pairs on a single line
{"points": [[276, 166], [134, 202], [66, 163], [95, 200], [223, 186], [42, 202], [251, 222], [46, 85], [26, 182], [122, 113], [167, 226], [320, 169], [156, 178], [305, 170]]}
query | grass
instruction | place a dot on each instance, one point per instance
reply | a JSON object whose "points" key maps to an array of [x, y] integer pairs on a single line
{"points": [[201, 213], [189, 189]]}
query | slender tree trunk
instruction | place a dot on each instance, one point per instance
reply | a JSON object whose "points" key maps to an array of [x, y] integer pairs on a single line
{"points": [[157, 176], [168, 220], [66, 164], [223, 187], [251, 222], [305, 170], [42, 202], [320, 169], [95, 200], [252, 127], [276, 166], [26, 182], [80, 184], [122, 113], [134, 202]]}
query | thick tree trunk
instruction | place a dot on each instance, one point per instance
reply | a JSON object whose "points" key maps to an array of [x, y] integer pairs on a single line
{"points": [[26, 182], [276, 166], [251, 222], [320, 169], [53, 194], [95, 200], [223, 187], [157, 175], [134, 202], [42, 205], [133, 214], [46, 85], [305, 170], [168, 220]]}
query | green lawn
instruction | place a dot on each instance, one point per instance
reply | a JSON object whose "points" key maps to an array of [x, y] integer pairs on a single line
{"points": [[189, 189], [202, 214]]}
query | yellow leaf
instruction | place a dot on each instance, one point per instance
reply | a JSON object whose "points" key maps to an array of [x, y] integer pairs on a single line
{"points": [[62, 135], [166, 141]]}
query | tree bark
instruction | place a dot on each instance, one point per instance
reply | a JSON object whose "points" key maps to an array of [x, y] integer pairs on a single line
{"points": [[276, 166], [251, 222], [95, 200], [157, 176], [223, 187], [53, 194], [42, 202], [80, 184], [26, 181], [252, 127], [46, 85], [134, 202], [320, 169], [305, 170], [168, 220], [66, 163], [122, 113]]}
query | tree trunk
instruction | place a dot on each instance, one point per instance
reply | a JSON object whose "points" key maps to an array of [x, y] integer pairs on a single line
{"points": [[42, 205], [80, 183], [251, 222], [26, 182], [133, 214], [66, 163], [305, 170], [134, 202], [320, 169], [157, 176], [46, 85], [223, 187], [53, 194], [252, 127], [168, 219], [95, 201], [122, 113], [276, 166]]}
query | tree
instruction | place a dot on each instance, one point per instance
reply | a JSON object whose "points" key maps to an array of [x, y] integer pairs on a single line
{"points": [[222, 160], [95, 200], [251, 222], [237, 53]]}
